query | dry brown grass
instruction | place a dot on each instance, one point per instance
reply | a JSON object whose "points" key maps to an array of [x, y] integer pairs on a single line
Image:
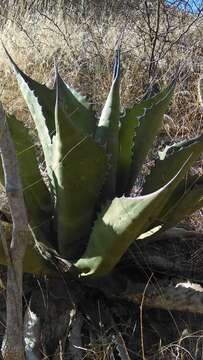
{"points": [[84, 47]]}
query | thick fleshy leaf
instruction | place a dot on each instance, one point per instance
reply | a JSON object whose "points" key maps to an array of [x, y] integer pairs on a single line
{"points": [[76, 108], [126, 142], [79, 166], [37, 197], [40, 258], [190, 201], [127, 133], [41, 103], [107, 132], [119, 224], [170, 161], [33, 261], [150, 124]]}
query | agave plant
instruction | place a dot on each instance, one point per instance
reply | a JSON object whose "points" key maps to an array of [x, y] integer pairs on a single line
{"points": [[86, 212]]}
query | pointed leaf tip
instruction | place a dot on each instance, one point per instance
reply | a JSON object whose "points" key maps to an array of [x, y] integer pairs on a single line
{"points": [[79, 166], [137, 131], [74, 106], [116, 72], [107, 132], [40, 101], [150, 123]]}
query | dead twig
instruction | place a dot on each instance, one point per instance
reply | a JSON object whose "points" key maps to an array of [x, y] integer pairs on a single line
{"points": [[141, 317]]}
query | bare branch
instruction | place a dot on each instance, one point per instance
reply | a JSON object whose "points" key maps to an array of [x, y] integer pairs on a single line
{"points": [[154, 41], [13, 346], [169, 294]]}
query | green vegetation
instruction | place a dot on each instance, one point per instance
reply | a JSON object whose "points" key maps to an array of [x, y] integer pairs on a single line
{"points": [[87, 212]]}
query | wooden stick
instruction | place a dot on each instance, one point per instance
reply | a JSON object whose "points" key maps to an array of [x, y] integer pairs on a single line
{"points": [[13, 345]]}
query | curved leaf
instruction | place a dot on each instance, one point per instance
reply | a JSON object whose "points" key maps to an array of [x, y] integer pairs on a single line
{"points": [[190, 201], [171, 160], [41, 103], [120, 223]]}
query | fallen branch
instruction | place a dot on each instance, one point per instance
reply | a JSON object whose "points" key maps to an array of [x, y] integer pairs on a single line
{"points": [[175, 260], [169, 294], [177, 252], [162, 293]]}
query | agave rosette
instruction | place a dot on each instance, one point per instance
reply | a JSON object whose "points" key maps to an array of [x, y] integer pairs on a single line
{"points": [[87, 214]]}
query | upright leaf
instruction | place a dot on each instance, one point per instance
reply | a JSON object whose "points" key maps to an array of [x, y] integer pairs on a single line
{"points": [[127, 138], [107, 132], [126, 142], [76, 108], [150, 124], [79, 167]]}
